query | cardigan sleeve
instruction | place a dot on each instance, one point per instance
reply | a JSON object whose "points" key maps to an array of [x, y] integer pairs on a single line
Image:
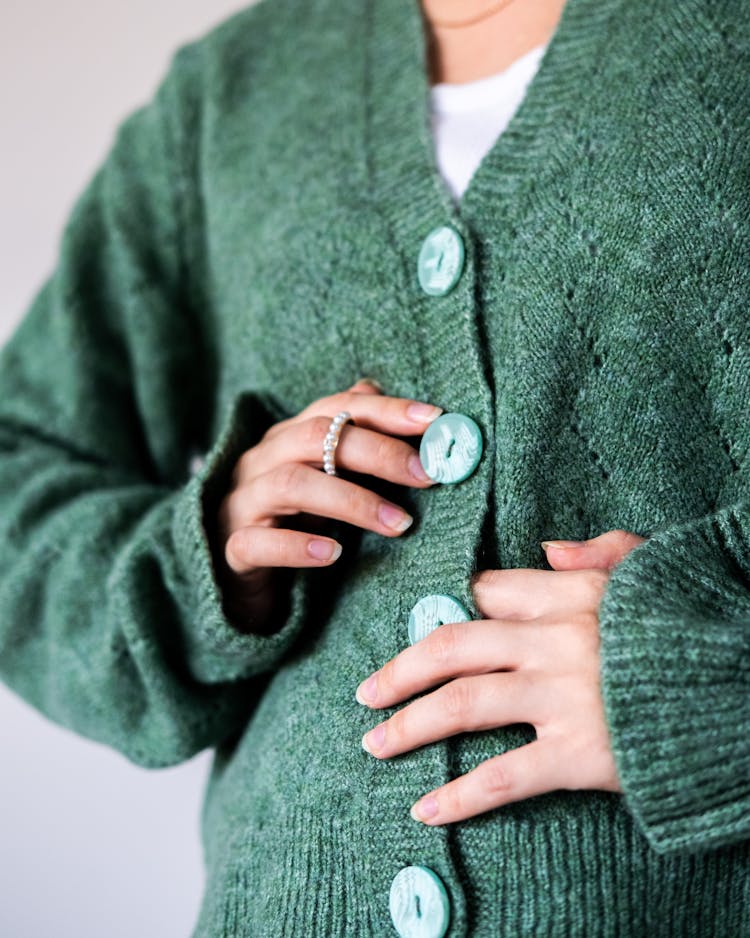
{"points": [[111, 615], [675, 659]]}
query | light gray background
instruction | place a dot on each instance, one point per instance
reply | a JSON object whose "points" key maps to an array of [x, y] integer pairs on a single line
{"points": [[90, 844]]}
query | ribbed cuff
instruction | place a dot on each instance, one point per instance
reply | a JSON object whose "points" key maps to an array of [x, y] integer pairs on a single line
{"points": [[214, 648], [675, 660]]}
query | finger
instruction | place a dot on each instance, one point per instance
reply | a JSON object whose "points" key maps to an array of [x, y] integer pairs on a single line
{"points": [[358, 450], [394, 415], [479, 702], [452, 650], [528, 770], [260, 546], [294, 488], [366, 386], [520, 593], [603, 552]]}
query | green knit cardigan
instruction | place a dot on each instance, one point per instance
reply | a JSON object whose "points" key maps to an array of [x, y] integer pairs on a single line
{"points": [[250, 244]]}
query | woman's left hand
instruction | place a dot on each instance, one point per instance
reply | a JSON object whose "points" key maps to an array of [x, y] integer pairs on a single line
{"points": [[533, 659]]}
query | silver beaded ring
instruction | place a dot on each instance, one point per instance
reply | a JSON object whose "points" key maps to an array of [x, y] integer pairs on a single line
{"points": [[331, 441]]}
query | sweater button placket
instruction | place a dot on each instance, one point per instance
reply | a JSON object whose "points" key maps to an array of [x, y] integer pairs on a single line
{"points": [[436, 560], [424, 904]]}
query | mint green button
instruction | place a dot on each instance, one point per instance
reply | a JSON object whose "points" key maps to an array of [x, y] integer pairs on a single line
{"points": [[451, 447], [432, 611], [441, 260], [419, 904]]}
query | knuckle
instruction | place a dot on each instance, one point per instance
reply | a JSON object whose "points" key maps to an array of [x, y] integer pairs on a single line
{"points": [[485, 580], [315, 430], [452, 801], [387, 679], [349, 399], [385, 450], [598, 576], [328, 401], [396, 730], [578, 637], [442, 643], [584, 625], [353, 503], [623, 542], [596, 581], [567, 636], [458, 698], [588, 633], [343, 400], [274, 430], [496, 777], [287, 480]]}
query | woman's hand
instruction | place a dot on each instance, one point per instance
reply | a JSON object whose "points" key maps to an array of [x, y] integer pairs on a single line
{"points": [[533, 659], [281, 477]]}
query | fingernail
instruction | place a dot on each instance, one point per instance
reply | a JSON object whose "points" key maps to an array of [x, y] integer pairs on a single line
{"points": [[367, 690], [417, 469], [426, 807], [324, 550], [372, 742], [423, 413], [394, 518], [562, 544]]}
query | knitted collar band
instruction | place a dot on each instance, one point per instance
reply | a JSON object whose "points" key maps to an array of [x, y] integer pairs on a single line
{"points": [[403, 175]]}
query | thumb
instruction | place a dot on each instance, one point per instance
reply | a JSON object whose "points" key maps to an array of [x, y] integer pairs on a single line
{"points": [[366, 386], [603, 552]]}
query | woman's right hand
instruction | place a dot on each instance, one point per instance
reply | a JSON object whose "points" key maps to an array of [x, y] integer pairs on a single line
{"points": [[282, 476]]}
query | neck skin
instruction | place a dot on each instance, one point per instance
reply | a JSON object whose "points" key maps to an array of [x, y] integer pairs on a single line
{"points": [[468, 53]]}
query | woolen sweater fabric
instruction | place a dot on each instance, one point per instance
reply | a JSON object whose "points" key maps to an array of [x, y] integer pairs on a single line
{"points": [[467, 117], [249, 245]]}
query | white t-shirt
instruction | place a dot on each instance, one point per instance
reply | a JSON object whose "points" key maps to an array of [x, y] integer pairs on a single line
{"points": [[467, 118]]}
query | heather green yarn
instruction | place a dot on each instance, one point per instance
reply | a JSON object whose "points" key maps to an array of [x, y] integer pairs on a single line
{"points": [[250, 244]]}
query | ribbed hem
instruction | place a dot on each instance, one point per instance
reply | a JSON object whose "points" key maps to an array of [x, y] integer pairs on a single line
{"points": [[577, 870], [582, 869], [313, 881], [675, 647], [215, 650]]}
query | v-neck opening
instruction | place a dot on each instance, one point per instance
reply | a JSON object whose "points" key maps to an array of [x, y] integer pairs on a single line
{"points": [[456, 98], [403, 169]]}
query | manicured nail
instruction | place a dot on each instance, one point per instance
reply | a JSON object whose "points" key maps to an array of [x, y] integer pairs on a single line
{"points": [[367, 690], [423, 413], [425, 808], [324, 550], [562, 544], [417, 469], [372, 742], [394, 518]]}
